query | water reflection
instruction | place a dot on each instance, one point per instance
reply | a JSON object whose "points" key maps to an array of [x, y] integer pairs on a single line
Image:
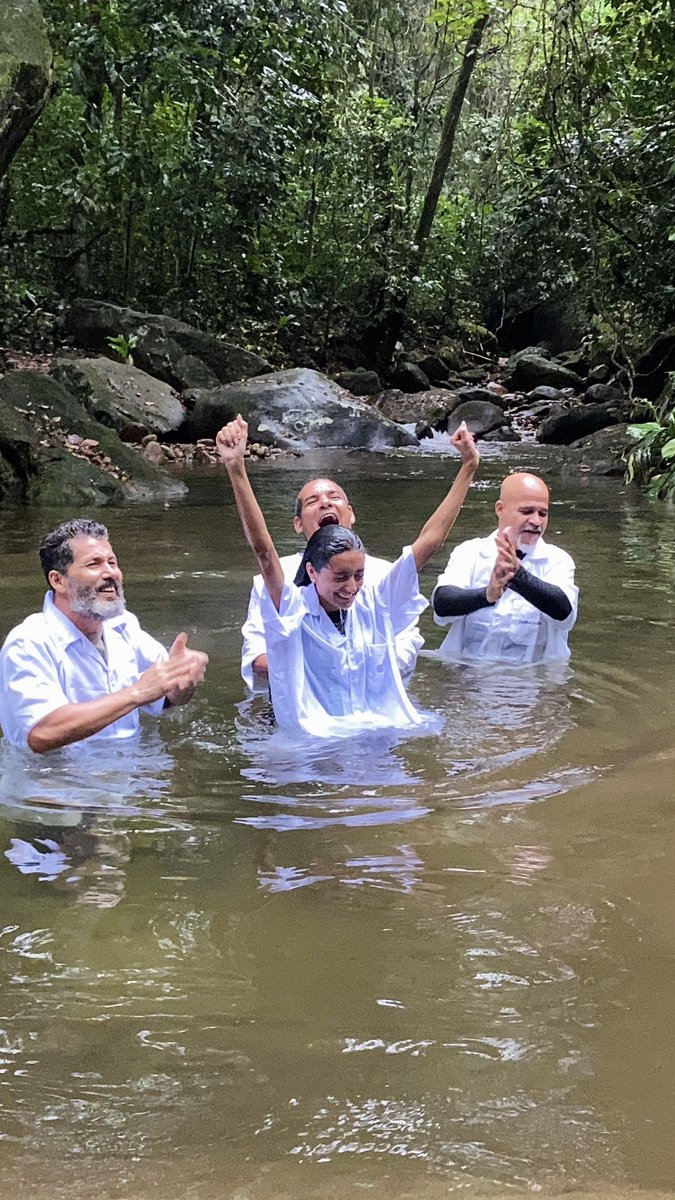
{"points": [[420, 965]]}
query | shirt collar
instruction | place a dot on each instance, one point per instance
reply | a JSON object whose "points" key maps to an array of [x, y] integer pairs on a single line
{"points": [[488, 548], [63, 629]]}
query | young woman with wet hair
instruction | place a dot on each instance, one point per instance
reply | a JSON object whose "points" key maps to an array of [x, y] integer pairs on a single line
{"points": [[330, 640]]}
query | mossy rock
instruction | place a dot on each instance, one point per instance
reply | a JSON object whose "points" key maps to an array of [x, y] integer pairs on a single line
{"points": [[38, 469]]}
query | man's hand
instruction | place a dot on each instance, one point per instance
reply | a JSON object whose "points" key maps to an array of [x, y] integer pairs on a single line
{"points": [[504, 569], [231, 441], [463, 441], [193, 664]]}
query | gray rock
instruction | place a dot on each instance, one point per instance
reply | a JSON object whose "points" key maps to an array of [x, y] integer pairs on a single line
{"points": [[360, 382], [532, 370], [576, 360], [474, 374], [599, 373], [432, 407], [564, 428], [162, 356], [38, 416], [92, 322], [600, 453], [408, 377], [120, 396], [294, 409], [602, 393], [434, 368], [550, 394], [505, 434], [468, 393], [481, 417]]}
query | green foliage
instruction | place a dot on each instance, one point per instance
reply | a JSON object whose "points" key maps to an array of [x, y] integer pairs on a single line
{"points": [[122, 345], [651, 458], [260, 168]]}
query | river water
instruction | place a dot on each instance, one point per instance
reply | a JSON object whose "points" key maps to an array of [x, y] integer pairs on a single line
{"points": [[400, 967]]}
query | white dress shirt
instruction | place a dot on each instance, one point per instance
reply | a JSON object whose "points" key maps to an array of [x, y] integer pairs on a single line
{"points": [[409, 641], [328, 683], [47, 662], [511, 630]]}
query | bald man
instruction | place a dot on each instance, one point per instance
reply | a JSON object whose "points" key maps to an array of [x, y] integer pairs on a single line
{"points": [[320, 502], [510, 596]]}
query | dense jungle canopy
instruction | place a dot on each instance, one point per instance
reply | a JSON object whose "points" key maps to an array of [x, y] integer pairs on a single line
{"points": [[295, 171]]}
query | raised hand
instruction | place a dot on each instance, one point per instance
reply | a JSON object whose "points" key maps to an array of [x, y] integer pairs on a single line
{"points": [[463, 441], [231, 441]]}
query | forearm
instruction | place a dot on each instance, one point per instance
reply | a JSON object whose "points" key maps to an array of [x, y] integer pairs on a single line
{"points": [[451, 601], [437, 528], [73, 722], [255, 530], [547, 597]]}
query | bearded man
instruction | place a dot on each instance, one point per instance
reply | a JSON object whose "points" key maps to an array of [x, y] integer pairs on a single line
{"points": [[83, 667], [510, 596]]}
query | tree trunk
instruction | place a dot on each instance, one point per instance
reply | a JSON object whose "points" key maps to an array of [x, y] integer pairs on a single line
{"points": [[380, 340], [25, 74]]}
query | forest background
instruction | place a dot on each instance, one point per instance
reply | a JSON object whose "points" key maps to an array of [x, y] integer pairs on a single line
{"points": [[301, 174]]}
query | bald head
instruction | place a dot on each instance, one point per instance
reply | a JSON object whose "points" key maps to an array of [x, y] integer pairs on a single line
{"points": [[523, 508], [322, 502]]}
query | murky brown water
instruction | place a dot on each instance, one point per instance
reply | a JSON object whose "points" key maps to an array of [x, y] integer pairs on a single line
{"points": [[401, 968]]}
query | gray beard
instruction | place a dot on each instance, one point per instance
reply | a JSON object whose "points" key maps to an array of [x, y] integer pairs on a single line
{"points": [[87, 603]]}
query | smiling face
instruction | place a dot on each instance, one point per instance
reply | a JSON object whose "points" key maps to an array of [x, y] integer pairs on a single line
{"points": [[322, 502], [523, 508], [91, 586], [339, 583]]}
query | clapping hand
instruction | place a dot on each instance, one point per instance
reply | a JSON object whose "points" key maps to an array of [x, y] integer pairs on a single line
{"points": [[505, 567]]}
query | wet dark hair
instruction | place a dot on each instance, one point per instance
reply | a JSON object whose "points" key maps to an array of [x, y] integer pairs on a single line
{"points": [[322, 546], [56, 552]]}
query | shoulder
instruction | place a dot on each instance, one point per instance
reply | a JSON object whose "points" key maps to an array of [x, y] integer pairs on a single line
{"points": [[558, 557], [289, 566], [475, 548], [33, 629], [376, 568]]}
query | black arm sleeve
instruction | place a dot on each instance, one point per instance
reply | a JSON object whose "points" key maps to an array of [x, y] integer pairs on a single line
{"points": [[451, 601], [547, 597]]}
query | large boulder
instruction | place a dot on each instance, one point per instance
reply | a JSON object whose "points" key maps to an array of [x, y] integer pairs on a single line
{"points": [[469, 392], [360, 382], [294, 409], [408, 377], [53, 452], [120, 396], [563, 428], [533, 370], [169, 349], [481, 417], [25, 73], [432, 408], [600, 453]]}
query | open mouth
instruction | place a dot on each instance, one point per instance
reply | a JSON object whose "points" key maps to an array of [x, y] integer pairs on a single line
{"points": [[328, 519], [107, 589]]}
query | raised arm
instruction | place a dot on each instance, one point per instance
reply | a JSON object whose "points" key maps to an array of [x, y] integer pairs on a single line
{"points": [[437, 528], [231, 444]]}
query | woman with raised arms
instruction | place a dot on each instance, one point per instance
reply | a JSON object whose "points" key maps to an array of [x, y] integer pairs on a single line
{"points": [[330, 638]]}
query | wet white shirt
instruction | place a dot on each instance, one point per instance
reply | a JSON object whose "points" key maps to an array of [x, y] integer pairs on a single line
{"points": [[329, 684], [47, 662], [512, 630], [409, 641]]}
